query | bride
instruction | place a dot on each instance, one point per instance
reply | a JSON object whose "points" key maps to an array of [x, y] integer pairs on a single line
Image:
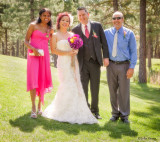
{"points": [[69, 104]]}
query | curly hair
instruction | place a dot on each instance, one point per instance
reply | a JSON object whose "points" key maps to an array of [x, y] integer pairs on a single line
{"points": [[59, 17]]}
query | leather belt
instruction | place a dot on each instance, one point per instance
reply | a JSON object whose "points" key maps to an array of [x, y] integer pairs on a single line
{"points": [[120, 62]]}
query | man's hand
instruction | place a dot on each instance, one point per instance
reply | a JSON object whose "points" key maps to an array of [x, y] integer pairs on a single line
{"points": [[130, 73], [106, 62]]}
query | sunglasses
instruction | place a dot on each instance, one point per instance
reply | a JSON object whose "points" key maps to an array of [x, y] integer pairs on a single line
{"points": [[118, 18]]}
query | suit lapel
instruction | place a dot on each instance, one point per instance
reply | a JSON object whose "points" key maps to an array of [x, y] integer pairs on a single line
{"points": [[80, 30], [80, 34], [92, 29], [91, 32]]}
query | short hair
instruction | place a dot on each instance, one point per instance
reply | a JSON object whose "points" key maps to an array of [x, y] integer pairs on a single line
{"points": [[41, 12], [59, 17], [82, 8], [117, 13]]}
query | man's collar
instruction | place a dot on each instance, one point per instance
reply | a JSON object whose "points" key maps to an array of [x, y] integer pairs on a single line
{"points": [[89, 22], [119, 31]]}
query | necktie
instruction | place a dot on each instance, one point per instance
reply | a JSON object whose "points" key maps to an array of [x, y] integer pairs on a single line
{"points": [[114, 50], [86, 31]]}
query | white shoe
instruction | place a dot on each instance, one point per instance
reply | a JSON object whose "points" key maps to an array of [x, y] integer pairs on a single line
{"points": [[33, 115]]}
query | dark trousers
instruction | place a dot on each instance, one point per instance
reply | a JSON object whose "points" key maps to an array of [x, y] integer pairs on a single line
{"points": [[119, 87], [91, 73]]}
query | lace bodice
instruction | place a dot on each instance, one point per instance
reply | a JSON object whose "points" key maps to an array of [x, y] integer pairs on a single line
{"points": [[63, 45]]}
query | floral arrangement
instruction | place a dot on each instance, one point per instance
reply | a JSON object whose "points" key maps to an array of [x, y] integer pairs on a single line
{"points": [[75, 41], [124, 34], [47, 36], [94, 34]]}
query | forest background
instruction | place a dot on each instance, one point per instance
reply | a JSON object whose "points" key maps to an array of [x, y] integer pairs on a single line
{"points": [[141, 16]]}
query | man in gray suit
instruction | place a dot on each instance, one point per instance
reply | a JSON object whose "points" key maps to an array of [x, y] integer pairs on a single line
{"points": [[123, 57], [90, 56]]}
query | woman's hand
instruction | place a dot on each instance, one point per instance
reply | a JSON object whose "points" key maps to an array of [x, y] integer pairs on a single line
{"points": [[76, 51], [36, 53], [73, 52]]}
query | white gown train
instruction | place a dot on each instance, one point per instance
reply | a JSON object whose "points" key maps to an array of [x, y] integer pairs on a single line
{"points": [[69, 104]]}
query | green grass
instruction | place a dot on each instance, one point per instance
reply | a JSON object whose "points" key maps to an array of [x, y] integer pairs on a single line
{"points": [[17, 126]]}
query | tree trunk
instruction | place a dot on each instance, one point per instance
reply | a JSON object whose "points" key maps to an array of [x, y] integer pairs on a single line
{"points": [[17, 51], [3, 48], [156, 46], [13, 51], [149, 51], [115, 5], [158, 52], [32, 10], [23, 50], [6, 40], [142, 49]]}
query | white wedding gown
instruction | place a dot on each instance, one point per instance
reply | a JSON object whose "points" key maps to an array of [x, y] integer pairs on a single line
{"points": [[69, 104]]}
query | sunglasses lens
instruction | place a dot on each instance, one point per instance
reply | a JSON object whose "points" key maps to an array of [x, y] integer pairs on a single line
{"points": [[118, 18]]}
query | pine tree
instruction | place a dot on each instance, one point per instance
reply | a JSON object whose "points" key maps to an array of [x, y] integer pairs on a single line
{"points": [[142, 50]]}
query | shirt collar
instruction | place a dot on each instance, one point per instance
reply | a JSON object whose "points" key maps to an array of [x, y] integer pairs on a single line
{"points": [[119, 31], [88, 24]]}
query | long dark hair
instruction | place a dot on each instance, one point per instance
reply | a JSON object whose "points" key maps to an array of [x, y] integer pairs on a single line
{"points": [[40, 13], [59, 17]]}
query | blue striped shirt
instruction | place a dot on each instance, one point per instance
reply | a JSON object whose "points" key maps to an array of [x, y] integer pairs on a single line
{"points": [[126, 45]]}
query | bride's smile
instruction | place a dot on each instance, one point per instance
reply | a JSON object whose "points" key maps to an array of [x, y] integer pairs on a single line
{"points": [[64, 23]]}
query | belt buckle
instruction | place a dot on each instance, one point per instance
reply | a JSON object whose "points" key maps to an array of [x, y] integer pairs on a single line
{"points": [[117, 62]]}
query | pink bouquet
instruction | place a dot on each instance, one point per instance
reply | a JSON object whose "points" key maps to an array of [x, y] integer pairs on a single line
{"points": [[75, 43]]}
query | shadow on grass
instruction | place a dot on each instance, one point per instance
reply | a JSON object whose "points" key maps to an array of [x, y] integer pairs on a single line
{"points": [[118, 129], [26, 124], [104, 82], [152, 115], [151, 95], [145, 92]]}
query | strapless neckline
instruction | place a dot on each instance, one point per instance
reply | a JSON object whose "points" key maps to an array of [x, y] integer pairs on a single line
{"points": [[62, 40], [39, 31]]}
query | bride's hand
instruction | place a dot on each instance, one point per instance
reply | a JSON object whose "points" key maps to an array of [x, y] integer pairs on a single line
{"points": [[76, 51], [73, 52]]}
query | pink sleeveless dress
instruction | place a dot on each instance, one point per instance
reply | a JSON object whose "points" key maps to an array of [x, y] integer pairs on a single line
{"points": [[38, 67]]}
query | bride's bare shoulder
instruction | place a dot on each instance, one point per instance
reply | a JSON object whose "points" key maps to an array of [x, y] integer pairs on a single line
{"points": [[54, 37]]}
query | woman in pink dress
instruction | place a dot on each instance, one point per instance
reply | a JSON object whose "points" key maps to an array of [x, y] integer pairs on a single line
{"points": [[39, 79]]}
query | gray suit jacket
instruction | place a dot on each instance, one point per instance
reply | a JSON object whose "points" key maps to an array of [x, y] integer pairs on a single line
{"points": [[100, 43]]}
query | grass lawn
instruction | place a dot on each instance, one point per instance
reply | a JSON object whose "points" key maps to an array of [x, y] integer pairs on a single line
{"points": [[17, 126]]}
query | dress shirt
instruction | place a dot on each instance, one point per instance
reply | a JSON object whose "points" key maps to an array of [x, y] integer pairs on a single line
{"points": [[88, 27], [126, 45]]}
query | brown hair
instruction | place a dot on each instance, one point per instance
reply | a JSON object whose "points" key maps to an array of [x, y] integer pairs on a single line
{"points": [[82, 8]]}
